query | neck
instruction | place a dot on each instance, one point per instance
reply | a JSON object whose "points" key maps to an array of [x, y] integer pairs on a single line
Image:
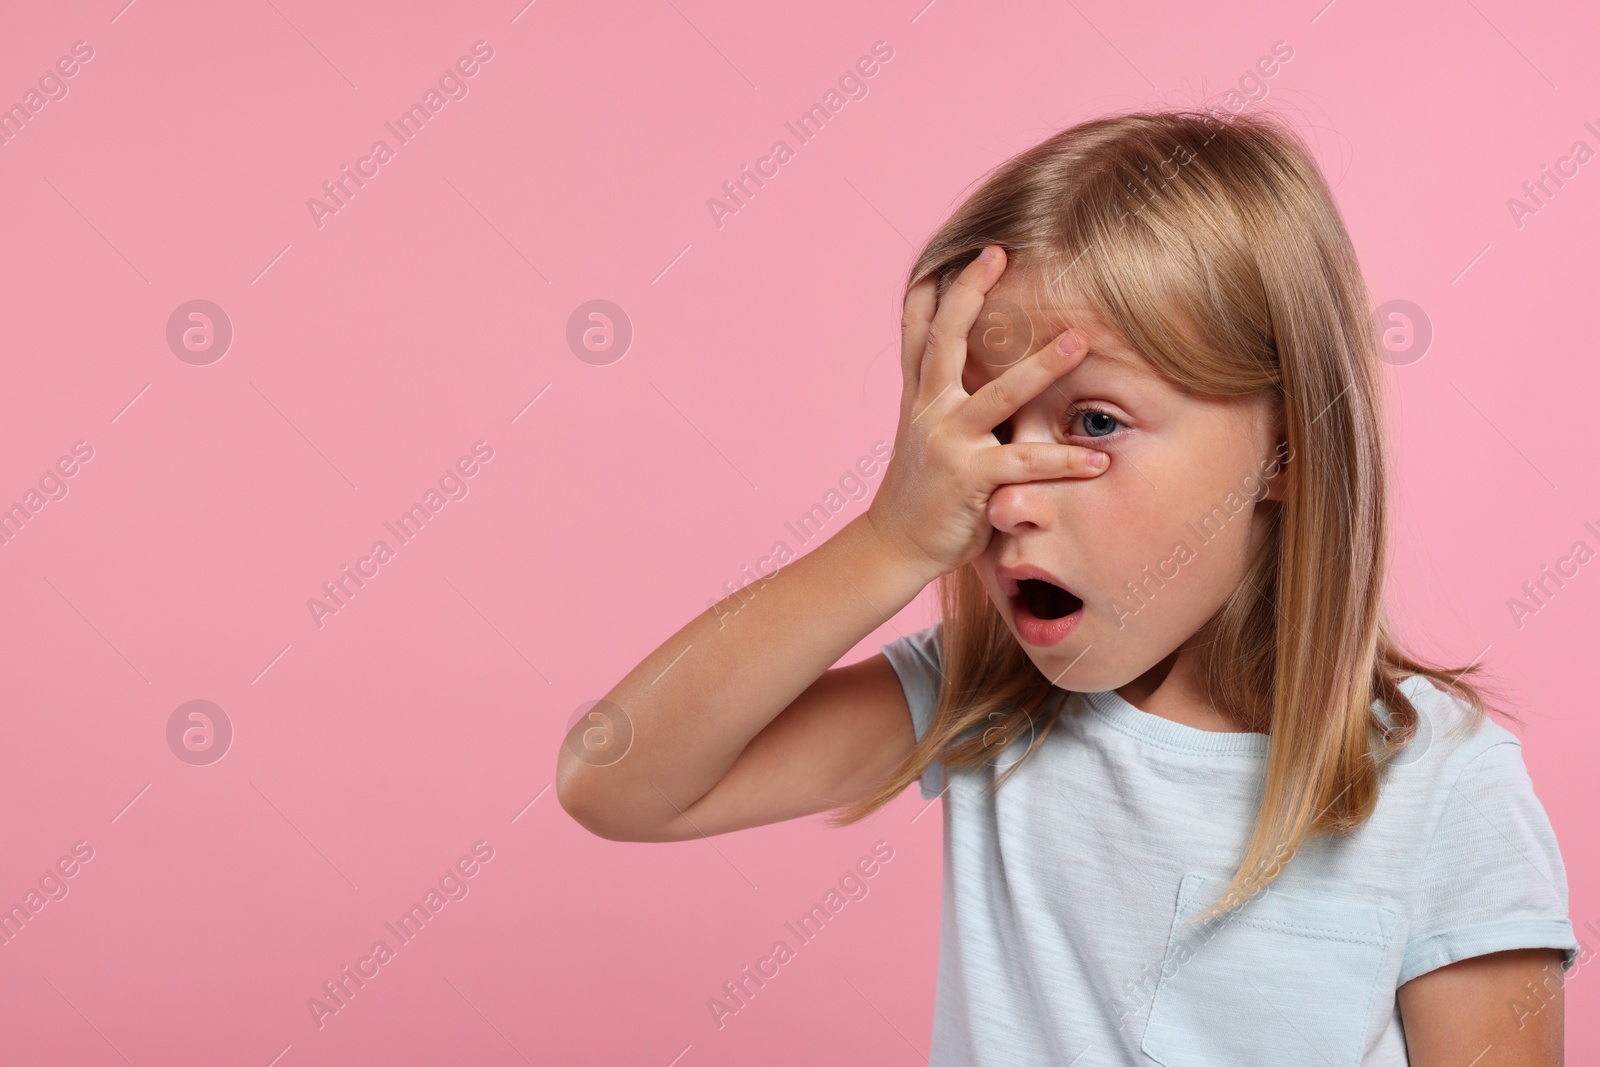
{"points": [[1172, 690]]}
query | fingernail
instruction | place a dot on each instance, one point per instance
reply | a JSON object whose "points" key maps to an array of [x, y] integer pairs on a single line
{"points": [[1098, 459], [987, 255], [1068, 343]]}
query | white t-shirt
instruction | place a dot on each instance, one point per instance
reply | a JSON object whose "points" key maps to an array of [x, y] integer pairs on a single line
{"points": [[1060, 937]]}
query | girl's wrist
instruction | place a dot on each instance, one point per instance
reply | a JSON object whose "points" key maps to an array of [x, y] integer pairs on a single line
{"points": [[892, 556]]}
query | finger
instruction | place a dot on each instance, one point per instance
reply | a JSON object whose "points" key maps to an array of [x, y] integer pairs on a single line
{"points": [[1035, 461], [998, 400], [921, 300], [945, 354]]}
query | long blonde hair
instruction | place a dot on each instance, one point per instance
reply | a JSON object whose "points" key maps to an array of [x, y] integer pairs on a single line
{"points": [[1212, 245]]}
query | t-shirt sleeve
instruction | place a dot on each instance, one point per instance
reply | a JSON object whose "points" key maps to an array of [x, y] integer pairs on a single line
{"points": [[915, 658], [1492, 878]]}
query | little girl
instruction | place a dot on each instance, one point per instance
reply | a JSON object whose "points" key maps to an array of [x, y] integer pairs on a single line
{"points": [[1200, 808]]}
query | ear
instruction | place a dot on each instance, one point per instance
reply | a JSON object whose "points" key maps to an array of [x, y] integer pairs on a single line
{"points": [[1275, 461], [1275, 471]]}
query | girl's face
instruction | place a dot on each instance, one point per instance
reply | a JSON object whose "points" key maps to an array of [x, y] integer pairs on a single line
{"points": [[1154, 545]]}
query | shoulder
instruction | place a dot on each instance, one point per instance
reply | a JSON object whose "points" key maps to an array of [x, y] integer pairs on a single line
{"points": [[916, 657], [923, 641], [1460, 791], [1457, 760], [1486, 870], [1451, 734]]}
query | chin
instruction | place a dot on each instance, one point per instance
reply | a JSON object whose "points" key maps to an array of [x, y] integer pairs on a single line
{"points": [[1078, 679], [1105, 666]]}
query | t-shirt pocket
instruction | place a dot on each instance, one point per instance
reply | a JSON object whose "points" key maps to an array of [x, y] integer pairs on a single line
{"points": [[1283, 979]]}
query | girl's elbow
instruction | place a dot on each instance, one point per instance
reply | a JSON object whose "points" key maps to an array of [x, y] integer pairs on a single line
{"points": [[590, 804]]}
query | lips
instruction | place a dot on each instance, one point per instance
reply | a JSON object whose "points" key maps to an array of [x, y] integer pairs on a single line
{"points": [[1044, 609]]}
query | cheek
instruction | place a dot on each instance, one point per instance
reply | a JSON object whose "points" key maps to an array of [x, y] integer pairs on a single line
{"points": [[1123, 525], [1176, 541]]}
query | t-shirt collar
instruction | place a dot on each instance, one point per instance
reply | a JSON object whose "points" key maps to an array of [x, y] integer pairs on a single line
{"points": [[1166, 733]]}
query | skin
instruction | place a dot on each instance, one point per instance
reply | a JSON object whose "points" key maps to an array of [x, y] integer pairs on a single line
{"points": [[1174, 458], [1479, 1012]]}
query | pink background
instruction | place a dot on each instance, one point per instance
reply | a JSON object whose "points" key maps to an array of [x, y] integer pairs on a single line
{"points": [[369, 354]]}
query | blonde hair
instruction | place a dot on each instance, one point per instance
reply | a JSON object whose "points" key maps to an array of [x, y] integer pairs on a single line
{"points": [[1212, 245]]}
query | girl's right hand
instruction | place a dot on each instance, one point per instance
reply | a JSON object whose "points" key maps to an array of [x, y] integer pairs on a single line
{"points": [[933, 503]]}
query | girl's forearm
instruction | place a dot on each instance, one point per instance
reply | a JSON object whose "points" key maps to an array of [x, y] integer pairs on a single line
{"points": [[696, 701]]}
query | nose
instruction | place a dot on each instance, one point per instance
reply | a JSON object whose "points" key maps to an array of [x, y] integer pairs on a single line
{"points": [[1022, 505]]}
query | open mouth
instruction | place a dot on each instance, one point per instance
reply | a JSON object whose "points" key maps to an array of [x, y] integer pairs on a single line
{"points": [[1044, 600]]}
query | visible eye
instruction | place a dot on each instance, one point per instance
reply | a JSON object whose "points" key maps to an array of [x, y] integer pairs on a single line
{"points": [[1096, 423]]}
